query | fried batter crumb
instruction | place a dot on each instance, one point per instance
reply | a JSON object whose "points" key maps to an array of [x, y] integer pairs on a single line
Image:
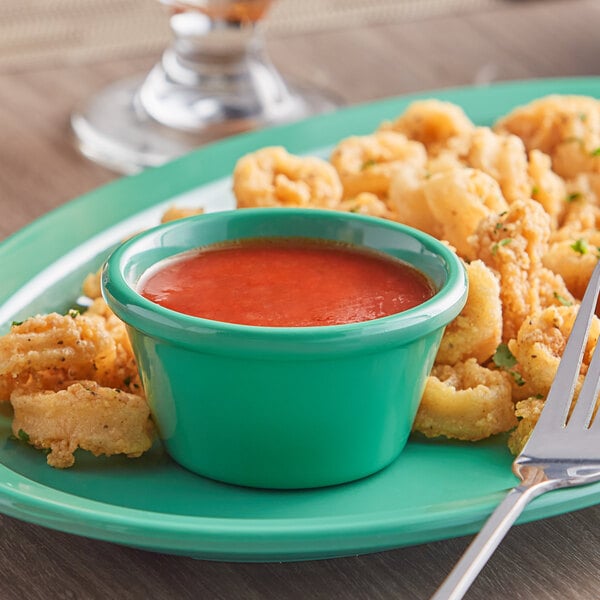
{"points": [[84, 415]]}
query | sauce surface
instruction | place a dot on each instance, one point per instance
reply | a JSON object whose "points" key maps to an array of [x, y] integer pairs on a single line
{"points": [[280, 282]]}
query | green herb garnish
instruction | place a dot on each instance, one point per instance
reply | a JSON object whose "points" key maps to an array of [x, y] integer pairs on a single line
{"points": [[564, 301], [368, 164], [503, 242], [580, 246], [504, 359]]}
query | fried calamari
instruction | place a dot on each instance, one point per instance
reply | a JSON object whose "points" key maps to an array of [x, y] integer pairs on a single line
{"points": [[104, 421]]}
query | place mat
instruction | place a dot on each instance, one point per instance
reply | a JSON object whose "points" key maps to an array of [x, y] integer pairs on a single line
{"points": [[36, 33]]}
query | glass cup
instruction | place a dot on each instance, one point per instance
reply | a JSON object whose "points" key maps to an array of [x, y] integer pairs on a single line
{"points": [[214, 80]]}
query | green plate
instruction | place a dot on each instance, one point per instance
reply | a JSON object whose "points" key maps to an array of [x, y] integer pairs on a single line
{"points": [[433, 491]]}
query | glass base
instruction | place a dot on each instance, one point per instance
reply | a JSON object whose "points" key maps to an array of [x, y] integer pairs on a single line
{"points": [[114, 129]]}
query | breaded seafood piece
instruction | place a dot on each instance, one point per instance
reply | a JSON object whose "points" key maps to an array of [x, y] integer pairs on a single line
{"points": [[273, 177], [122, 373], [566, 127], [477, 330], [540, 343], [459, 200], [527, 412], [91, 286], [466, 401], [580, 217], [504, 158], [54, 347], [85, 415], [513, 244], [432, 122], [547, 187], [366, 203], [574, 260], [367, 163], [407, 200], [174, 213]]}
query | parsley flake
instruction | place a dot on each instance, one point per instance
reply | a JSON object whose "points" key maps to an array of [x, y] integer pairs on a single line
{"points": [[368, 164], [503, 357], [23, 435], [573, 196], [580, 246], [503, 242], [564, 301]]}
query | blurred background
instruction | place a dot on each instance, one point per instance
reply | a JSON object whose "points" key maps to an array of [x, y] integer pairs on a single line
{"points": [[35, 33], [57, 56]]}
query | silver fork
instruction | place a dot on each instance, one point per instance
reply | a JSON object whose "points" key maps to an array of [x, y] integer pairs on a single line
{"points": [[562, 451]]}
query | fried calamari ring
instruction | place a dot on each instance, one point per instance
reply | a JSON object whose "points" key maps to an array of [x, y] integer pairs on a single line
{"points": [[527, 412], [547, 187], [540, 343], [407, 200], [273, 177], [122, 373], [477, 330], [574, 260], [567, 128], [502, 157], [367, 163], [366, 203], [85, 415], [459, 200], [466, 402], [513, 244], [72, 347], [433, 123]]}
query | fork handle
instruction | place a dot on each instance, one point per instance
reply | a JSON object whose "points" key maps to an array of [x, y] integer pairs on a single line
{"points": [[487, 540]]}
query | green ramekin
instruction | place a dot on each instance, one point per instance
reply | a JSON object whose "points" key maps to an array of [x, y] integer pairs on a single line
{"points": [[284, 407]]}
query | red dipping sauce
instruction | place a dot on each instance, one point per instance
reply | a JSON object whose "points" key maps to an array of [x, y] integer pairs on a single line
{"points": [[285, 282]]}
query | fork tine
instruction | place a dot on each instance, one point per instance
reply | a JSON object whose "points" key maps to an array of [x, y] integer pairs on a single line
{"points": [[558, 402], [586, 402]]}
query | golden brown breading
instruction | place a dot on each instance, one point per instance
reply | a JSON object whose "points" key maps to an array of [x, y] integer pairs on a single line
{"points": [[502, 157], [273, 177], [466, 402], [547, 187], [367, 163], [528, 412], [85, 415], [574, 260], [433, 123], [71, 347], [540, 343], [407, 200], [173, 213], [513, 244], [477, 330], [366, 203], [459, 200], [567, 128], [91, 285]]}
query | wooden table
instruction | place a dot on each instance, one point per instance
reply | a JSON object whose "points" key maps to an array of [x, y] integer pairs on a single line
{"points": [[554, 559]]}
